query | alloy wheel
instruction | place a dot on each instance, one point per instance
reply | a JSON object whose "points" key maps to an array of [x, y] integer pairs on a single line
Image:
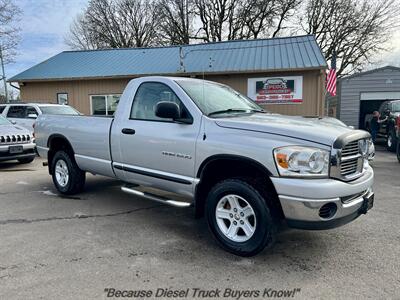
{"points": [[235, 218], [62, 173]]}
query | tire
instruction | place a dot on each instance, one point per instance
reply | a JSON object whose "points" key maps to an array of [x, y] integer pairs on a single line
{"points": [[67, 177], [26, 160], [391, 142], [237, 241]]}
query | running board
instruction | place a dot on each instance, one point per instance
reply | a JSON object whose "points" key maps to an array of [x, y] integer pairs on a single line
{"points": [[156, 198]]}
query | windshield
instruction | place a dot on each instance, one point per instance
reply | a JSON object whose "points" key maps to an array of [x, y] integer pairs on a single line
{"points": [[396, 106], [213, 98], [58, 110], [4, 121]]}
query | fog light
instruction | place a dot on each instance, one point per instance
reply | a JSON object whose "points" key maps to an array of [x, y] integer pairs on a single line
{"points": [[328, 210]]}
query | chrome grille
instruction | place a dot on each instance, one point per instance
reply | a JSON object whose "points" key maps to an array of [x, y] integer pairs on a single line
{"points": [[349, 159], [347, 162], [350, 149], [14, 139]]}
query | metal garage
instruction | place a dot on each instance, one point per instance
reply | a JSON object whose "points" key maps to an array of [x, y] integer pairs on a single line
{"points": [[362, 93]]}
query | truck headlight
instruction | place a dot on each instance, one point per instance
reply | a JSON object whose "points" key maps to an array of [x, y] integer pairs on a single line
{"points": [[299, 161], [363, 146], [371, 150]]}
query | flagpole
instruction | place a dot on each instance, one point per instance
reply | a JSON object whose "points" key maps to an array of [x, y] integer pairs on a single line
{"points": [[331, 82]]}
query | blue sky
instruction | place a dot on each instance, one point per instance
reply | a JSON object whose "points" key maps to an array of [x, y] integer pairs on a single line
{"points": [[45, 23]]}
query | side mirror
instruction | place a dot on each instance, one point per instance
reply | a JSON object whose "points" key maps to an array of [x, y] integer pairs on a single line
{"points": [[167, 110], [32, 116], [13, 122]]}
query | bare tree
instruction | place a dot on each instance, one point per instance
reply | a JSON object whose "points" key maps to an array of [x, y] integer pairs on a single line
{"points": [[81, 37], [353, 29], [115, 24], [176, 21], [214, 16], [9, 31], [242, 19]]}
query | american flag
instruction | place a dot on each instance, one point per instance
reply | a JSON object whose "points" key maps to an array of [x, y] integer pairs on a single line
{"points": [[331, 78]]}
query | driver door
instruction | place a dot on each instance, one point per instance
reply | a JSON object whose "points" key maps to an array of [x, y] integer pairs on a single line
{"points": [[158, 152]]}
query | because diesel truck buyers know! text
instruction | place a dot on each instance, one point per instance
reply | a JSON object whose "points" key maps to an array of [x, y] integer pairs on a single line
{"points": [[243, 168]]}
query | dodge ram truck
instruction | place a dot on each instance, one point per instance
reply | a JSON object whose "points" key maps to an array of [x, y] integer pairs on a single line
{"points": [[245, 169]]}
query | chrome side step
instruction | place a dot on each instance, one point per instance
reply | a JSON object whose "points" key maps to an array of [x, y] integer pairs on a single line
{"points": [[154, 197]]}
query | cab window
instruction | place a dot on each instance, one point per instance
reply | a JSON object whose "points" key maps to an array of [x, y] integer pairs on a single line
{"points": [[30, 110], [148, 95], [16, 111]]}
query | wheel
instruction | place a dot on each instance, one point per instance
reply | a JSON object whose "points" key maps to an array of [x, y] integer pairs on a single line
{"points": [[391, 141], [67, 176], [26, 160], [239, 218]]}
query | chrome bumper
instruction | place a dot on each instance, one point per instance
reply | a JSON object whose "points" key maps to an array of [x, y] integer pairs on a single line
{"points": [[28, 151], [302, 199]]}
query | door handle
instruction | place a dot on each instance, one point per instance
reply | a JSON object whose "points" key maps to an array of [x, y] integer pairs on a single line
{"points": [[128, 131]]}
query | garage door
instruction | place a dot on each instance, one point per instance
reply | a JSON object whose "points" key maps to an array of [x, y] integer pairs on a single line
{"points": [[380, 96], [372, 101]]}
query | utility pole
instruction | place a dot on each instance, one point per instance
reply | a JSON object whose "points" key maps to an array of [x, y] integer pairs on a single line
{"points": [[4, 74]]}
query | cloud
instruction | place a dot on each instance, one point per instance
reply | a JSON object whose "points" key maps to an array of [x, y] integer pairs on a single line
{"points": [[44, 24]]}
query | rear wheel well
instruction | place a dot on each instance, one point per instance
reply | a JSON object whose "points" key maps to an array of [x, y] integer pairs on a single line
{"points": [[55, 144], [250, 171]]}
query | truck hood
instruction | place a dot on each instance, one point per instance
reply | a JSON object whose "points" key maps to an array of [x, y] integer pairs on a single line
{"points": [[309, 129], [12, 129]]}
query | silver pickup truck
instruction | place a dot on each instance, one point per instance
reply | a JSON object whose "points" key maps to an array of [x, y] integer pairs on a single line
{"points": [[245, 169]]}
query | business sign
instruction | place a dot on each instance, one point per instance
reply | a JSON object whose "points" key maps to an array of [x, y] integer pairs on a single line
{"points": [[276, 90]]}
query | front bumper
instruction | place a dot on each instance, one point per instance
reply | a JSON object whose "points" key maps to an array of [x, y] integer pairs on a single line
{"points": [[29, 150], [302, 199]]}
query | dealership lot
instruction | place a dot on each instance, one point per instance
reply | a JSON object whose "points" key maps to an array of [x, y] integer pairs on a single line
{"points": [[76, 247]]}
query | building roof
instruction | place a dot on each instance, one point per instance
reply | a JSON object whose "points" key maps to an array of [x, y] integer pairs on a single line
{"points": [[371, 72], [276, 54]]}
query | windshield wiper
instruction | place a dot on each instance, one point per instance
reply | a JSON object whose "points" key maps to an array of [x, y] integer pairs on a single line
{"points": [[237, 110], [227, 111], [258, 110]]}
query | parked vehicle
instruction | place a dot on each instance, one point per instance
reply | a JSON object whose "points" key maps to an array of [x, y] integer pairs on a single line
{"points": [[25, 114], [391, 110], [398, 151], [245, 169], [398, 138], [16, 142]]}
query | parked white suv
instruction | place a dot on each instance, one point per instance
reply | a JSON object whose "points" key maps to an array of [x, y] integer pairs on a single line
{"points": [[25, 114]]}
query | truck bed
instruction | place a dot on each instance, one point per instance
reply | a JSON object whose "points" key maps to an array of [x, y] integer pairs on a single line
{"points": [[89, 137]]}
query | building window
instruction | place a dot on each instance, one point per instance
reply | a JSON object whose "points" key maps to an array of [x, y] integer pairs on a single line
{"points": [[62, 98], [104, 105]]}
